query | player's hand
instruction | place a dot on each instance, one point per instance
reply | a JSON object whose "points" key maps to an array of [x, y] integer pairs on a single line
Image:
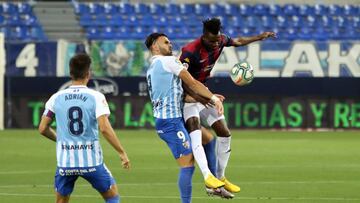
{"points": [[219, 106], [221, 97], [125, 162], [266, 35]]}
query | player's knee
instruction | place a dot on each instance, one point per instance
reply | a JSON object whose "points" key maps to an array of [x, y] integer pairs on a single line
{"points": [[221, 129], [193, 124]]}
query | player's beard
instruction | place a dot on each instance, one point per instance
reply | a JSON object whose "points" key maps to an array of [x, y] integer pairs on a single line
{"points": [[166, 52]]}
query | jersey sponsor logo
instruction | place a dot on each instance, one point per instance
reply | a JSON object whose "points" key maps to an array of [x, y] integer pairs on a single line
{"points": [[75, 171], [103, 85], [77, 147]]}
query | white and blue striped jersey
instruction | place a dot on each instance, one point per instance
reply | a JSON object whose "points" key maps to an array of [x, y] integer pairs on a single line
{"points": [[166, 92], [76, 111]]}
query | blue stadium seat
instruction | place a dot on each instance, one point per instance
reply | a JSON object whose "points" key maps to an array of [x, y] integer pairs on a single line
{"points": [[81, 8], [29, 20], [288, 34], [138, 33], [123, 32], [320, 34], [336, 10], [101, 20], [116, 20], [320, 10], [231, 9], [236, 21], [216, 10], [202, 9], [157, 9], [281, 22], [290, 9], [305, 33], [295, 21], [171, 9], [252, 21], [310, 21], [141, 8], [107, 33], [14, 20], [86, 20], [131, 20], [187, 9], [176, 20], [245, 10], [2, 20], [351, 10], [161, 21], [275, 10], [261, 9], [324, 21], [267, 22], [306, 10], [110, 9], [24, 8], [9, 8], [93, 33], [245, 32], [95, 8], [126, 9]]}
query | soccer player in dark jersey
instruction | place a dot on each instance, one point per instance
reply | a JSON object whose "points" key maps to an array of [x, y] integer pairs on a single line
{"points": [[201, 56]]}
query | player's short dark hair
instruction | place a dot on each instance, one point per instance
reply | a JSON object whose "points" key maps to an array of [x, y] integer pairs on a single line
{"points": [[79, 66], [152, 38], [212, 25]]}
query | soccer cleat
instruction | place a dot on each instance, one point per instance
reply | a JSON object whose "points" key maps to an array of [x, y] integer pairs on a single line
{"points": [[221, 192], [229, 186], [213, 182]]}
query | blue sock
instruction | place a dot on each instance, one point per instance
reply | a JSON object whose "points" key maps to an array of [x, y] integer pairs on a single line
{"points": [[185, 183], [211, 155], [115, 199]]}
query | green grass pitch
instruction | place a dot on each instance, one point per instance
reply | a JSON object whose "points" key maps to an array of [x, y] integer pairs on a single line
{"points": [[270, 166]]}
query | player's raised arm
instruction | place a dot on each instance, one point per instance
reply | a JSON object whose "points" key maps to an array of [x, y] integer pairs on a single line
{"points": [[200, 89], [108, 132], [242, 41]]}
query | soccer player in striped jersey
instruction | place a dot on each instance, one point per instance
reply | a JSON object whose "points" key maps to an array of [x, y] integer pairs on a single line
{"points": [[201, 56], [164, 77], [79, 113]]}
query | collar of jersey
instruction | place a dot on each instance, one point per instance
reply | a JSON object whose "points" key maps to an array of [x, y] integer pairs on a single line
{"points": [[78, 86]]}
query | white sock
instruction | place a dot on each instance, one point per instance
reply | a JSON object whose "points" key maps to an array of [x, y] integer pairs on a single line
{"points": [[223, 155], [199, 153]]}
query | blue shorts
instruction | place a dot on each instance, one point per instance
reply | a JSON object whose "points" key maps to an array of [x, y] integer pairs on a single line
{"points": [[173, 132], [98, 176]]}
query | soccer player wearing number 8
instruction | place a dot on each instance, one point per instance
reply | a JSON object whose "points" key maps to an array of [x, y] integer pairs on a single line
{"points": [[164, 78], [79, 113]]}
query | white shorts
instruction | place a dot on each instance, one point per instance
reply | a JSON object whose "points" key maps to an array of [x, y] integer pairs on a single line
{"points": [[207, 116], [192, 110]]}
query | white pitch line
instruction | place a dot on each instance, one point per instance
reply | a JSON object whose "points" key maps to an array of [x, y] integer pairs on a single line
{"points": [[196, 197], [194, 183]]}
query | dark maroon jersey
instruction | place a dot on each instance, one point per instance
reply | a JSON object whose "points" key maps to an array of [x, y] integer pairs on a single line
{"points": [[201, 59]]}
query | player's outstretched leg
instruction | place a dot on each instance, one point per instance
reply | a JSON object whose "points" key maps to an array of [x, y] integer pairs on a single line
{"points": [[200, 157], [223, 153]]}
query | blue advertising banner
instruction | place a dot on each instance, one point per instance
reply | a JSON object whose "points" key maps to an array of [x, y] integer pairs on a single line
{"points": [[31, 59]]}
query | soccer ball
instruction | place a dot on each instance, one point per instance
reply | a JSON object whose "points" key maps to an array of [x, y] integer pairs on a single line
{"points": [[242, 73]]}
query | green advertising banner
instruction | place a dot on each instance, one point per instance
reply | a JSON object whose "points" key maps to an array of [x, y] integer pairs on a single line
{"points": [[262, 112]]}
